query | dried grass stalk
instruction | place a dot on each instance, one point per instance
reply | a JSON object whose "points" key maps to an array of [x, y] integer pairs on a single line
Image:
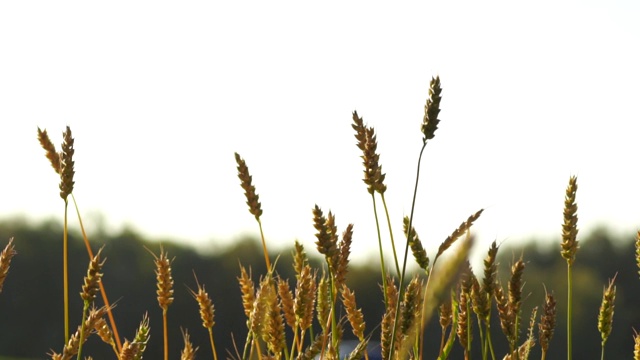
{"points": [[5, 261]]}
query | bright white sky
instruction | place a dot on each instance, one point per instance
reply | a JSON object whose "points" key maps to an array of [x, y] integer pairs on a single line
{"points": [[160, 95]]}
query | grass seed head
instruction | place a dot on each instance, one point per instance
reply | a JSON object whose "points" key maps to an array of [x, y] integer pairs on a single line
{"points": [[5, 261], [432, 110], [66, 165], [50, 150], [570, 226], [253, 199]]}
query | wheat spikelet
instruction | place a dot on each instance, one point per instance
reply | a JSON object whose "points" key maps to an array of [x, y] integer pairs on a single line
{"points": [[142, 337], [354, 315], [66, 165], [431, 110], [249, 190], [445, 318], [286, 302], [129, 350], [92, 280], [515, 286], [387, 323], [299, 259], [274, 331], [605, 316], [326, 236], [247, 289], [570, 225], [637, 243], [636, 346], [70, 349], [5, 261], [313, 349], [358, 352], [410, 306], [305, 298], [419, 253], [205, 304], [104, 332], [188, 351], [457, 233], [164, 281], [506, 315], [259, 308], [367, 143], [323, 306], [547, 322], [50, 150], [343, 256], [462, 330]]}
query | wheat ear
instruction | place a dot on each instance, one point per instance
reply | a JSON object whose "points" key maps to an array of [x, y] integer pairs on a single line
{"points": [[569, 248], [605, 316], [206, 312], [253, 200], [547, 323], [5, 261], [164, 284]]}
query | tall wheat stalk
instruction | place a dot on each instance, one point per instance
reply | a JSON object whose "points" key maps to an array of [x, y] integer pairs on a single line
{"points": [[569, 248]]}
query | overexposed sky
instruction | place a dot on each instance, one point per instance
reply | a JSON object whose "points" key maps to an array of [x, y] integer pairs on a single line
{"points": [[159, 96]]}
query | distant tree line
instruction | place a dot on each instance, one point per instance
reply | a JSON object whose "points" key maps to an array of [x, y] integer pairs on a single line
{"points": [[31, 301]]}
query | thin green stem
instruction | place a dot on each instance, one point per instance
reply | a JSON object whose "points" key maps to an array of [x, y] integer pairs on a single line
{"points": [[65, 272], [82, 328], [393, 244], [382, 267], [406, 252], [569, 311], [488, 332], [264, 247]]}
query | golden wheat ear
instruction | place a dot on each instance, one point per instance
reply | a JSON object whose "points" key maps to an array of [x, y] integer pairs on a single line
{"points": [[5, 261]]}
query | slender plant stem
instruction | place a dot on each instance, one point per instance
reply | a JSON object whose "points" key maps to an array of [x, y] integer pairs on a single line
{"points": [[103, 292], [213, 345], [383, 269], [569, 311], [406, 252], [82, 329], [393, 244], [264, 247], [488, 332], [65, 272], [165, 334]]}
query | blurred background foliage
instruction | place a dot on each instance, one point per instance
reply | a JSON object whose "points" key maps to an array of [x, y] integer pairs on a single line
{"points": [[31, 301]]}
